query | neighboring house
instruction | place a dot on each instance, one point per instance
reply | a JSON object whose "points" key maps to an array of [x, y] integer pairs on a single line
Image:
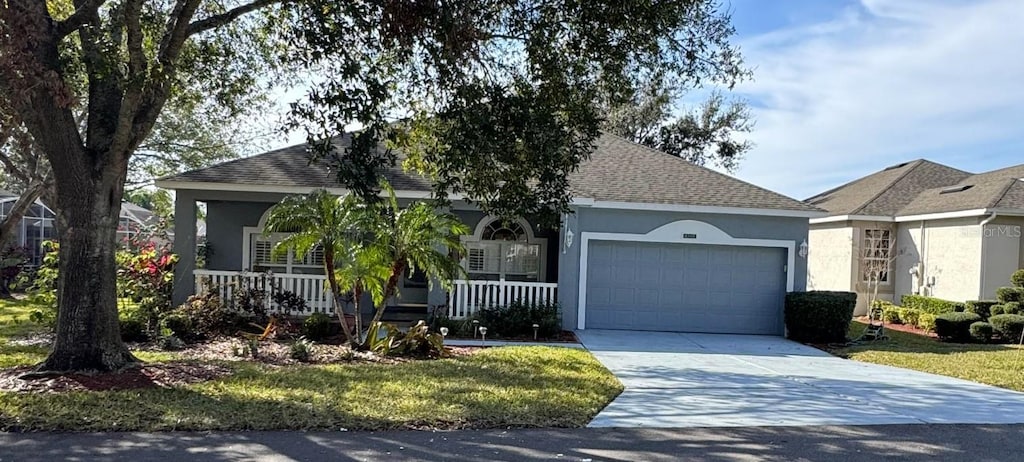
{"points": [[654, 243], [38, 225], [926, 228]]}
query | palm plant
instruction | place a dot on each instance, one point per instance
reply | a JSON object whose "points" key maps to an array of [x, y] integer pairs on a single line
{"points": [[368, 247], [416, 238], [320, 220]]}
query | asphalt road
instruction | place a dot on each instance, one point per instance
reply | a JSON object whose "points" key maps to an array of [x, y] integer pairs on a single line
{"points": [[975, 443]]}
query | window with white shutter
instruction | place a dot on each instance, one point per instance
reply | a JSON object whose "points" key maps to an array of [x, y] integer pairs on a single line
{"points": [[504, 250]]}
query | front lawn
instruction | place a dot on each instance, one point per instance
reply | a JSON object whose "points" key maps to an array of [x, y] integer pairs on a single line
{"points": [[495, 387], [999, 365]]}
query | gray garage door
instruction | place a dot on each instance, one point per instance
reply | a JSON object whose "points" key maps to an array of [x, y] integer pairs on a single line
{"points": [[685, 287]]}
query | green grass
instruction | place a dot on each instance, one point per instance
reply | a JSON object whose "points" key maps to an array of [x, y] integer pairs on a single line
{"points": [[999, 365], [497, 387], [14, 318]]}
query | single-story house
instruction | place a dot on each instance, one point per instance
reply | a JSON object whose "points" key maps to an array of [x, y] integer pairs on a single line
{"points": [[39, 224], [654, 242], [919, 227]]}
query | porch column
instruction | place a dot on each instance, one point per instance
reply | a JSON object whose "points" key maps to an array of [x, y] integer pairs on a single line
{"points": [[184, 245]]}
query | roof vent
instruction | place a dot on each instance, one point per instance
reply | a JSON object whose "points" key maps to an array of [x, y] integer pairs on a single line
{"points": [[894, 167], [956, 189]]}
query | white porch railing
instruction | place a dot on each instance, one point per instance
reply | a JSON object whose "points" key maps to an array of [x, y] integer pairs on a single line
{"points": [[311, 287], [468, 296]]}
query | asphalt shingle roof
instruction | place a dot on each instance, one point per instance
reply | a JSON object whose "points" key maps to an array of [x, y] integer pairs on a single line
{"points": [[886, 192], [618, 170], [622, 171], [923, 187]]}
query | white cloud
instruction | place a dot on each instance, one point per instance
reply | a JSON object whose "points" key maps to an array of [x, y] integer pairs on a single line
{"points": [[889, 80]]}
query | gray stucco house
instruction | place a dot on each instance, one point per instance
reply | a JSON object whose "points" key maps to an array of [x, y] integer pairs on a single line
{"points": [[654, 243]]}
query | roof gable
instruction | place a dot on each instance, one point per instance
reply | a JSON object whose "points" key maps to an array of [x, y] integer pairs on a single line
{"points": [[885, 192]]}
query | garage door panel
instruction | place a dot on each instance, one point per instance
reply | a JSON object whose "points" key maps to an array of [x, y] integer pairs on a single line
{"points": [[685, 287]]}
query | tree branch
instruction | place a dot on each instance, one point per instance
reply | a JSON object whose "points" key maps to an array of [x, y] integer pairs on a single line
{"points": [[82, 16], [218, 20]]}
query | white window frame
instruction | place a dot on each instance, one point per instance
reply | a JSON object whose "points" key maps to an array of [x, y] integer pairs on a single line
{"points": [[250, 233], [866, 259], [531, 239]]}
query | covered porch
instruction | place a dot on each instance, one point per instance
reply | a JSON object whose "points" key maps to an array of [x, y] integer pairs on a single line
{"points": [[504, 261], [467, 296]]}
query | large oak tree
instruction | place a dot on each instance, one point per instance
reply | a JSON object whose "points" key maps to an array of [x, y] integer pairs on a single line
{"points": [[496, 100]]}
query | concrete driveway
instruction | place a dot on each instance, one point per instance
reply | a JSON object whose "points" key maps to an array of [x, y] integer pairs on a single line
{"points": [[707, 380]]}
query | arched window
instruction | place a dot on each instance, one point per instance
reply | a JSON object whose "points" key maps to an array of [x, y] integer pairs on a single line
{"points": [[501, 249]]}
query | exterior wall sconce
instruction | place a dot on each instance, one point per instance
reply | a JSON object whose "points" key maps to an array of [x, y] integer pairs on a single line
{"points": [[803, 249], [568, 238]]}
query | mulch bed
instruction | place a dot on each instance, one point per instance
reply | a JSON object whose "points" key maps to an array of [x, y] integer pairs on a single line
{"points": [[200, 362], [902, 328], [158, 375]]}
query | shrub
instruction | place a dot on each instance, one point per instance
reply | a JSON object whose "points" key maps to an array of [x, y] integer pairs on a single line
{"points": [[1017, 278], [995, 310], [302, 350], [417, 342], [819, 316], [133, 329], [207, 316], [1012, 308], [910, 315], [955, 327], [1010, 294], [981, 307], [930, 304], [517, 320], [178, 324], [892, 315], [981, 331], [317, 326], [1009, 326], [289, 302], [926, 321]]}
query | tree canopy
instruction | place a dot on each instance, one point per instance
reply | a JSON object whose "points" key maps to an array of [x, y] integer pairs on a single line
{"points": [[709, 133], [497, 101]]}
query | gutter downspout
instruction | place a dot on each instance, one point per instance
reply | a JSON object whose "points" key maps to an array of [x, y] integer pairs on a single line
{"points": [[921, 280], [981, 290]]}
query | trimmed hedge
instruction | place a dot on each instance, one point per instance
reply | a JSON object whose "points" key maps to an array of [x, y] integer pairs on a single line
{"points": [[1010, 294], [892, 315], [930, 304], [926, 321], [982, 332], [955, 327], [910, 315], [1012, 308], [1017, 278], [995, 310], [981, 307], [1009, 326], [819, 316]]}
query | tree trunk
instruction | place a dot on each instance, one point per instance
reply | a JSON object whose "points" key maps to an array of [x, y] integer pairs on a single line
{"points": [[332, 282], [397, 270], [88, 209], [357, 295]]}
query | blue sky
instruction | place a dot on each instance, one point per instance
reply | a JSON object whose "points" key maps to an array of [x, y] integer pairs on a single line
{"points": [[844, 88]]}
